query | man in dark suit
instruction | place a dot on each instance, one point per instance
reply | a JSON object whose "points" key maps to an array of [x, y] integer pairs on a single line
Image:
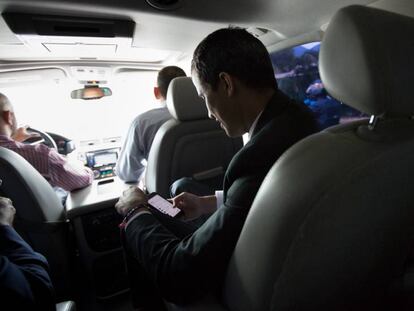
{"points": [[232, 72], [24, 281]]}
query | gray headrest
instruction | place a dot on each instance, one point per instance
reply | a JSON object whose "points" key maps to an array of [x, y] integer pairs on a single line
{"points": [[366, 60], [183, 101]]}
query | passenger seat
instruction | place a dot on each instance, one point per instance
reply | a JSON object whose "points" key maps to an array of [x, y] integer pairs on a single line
{"points": [[190, 144]]}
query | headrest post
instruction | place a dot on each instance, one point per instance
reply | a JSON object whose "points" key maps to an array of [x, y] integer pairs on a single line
{"points": [[373, 120]]}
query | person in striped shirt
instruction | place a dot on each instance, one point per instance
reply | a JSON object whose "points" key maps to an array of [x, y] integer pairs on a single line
{"points": [[47, 161]]}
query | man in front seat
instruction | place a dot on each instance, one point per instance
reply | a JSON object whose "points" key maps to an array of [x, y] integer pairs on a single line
{"points": [[47, 161], [142, 131], [233, 73]]}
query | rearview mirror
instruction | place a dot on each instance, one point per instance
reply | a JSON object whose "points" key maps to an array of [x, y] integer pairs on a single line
{"points": [[91, 92]]}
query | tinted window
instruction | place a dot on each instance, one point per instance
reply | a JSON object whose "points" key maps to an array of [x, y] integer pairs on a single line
{"points": [[297, 75]]}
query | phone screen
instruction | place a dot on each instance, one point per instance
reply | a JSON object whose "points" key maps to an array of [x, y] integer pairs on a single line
{"points": [[163, 205]]}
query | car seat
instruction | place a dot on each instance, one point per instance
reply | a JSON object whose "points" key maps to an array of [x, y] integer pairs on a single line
{"points": [[190, 144]]}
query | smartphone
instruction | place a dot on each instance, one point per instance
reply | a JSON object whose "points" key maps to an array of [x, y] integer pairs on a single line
{"points": [[163, 205]]}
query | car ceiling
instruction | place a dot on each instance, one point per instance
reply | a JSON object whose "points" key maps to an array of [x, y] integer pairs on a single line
{"points": [[180, 30]]}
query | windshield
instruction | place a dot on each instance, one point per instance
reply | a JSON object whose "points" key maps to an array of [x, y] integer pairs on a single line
{"points": [[49, 107]]}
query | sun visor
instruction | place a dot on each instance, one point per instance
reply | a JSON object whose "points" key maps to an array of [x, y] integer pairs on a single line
{"points": [[31, 76]]}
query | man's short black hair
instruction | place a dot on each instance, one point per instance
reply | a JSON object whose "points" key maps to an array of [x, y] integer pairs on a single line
{"points": [[165, 75], [236, 52]]}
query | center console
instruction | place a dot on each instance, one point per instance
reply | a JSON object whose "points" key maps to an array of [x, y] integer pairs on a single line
{"points": [[95, 222], [102, 162]]}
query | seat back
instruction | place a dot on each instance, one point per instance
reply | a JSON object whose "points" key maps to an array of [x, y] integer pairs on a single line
{"points": [[189, 144], [40, 216], [332, 225]]}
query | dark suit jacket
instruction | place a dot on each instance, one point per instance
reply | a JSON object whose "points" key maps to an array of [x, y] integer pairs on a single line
{"points": [[185, 268], [24, 280]]}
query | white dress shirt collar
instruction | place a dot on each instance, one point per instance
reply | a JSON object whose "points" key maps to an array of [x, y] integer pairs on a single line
{"points": [[253, 126]]}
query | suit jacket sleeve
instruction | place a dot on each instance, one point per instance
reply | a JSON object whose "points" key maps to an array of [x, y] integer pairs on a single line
{"points": [[185, 269], [24, 279]]}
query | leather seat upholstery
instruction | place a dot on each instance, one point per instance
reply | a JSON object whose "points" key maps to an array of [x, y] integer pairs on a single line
{"points": [[189, 144], [332, 225], [40, 216], [335, 212]]}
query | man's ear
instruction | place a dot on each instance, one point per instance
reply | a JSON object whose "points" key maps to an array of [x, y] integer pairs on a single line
{"points": [[227, 82], [8, 117], [157, 92]]}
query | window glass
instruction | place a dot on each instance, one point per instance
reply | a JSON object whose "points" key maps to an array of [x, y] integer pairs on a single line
{"points": [[48, 106], [297, 75]]}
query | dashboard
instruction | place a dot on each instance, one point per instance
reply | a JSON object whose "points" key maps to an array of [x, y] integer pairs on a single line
{"points": [[100, 157], [102, 162]]}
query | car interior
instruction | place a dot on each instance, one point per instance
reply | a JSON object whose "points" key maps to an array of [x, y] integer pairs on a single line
{"points": [[332, 224], [190, 132]]}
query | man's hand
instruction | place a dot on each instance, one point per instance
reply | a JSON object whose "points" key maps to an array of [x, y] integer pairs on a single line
{"points": [[7, 211], [22, 134], [194, 206], [130, 198]]}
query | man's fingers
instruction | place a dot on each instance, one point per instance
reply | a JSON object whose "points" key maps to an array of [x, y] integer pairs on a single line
{"points": [[120, 202], [33, 134], [126, 191], [177, 202], [130, 198], [120, 208], [5, 199], [181, 195], [5, 202], [179, 198], [117, 204]]}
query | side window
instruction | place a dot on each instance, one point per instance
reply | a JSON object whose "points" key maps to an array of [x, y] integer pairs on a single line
{"points": [[297, 76]]}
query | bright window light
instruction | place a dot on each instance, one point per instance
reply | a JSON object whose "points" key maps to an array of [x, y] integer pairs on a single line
{"points": [[49, 107]]}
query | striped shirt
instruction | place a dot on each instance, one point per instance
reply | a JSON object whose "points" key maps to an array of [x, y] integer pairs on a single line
{"points": [[51, 165]]}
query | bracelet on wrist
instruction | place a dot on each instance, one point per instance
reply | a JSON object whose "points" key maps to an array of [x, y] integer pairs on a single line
{"points": [[131, 213]]}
